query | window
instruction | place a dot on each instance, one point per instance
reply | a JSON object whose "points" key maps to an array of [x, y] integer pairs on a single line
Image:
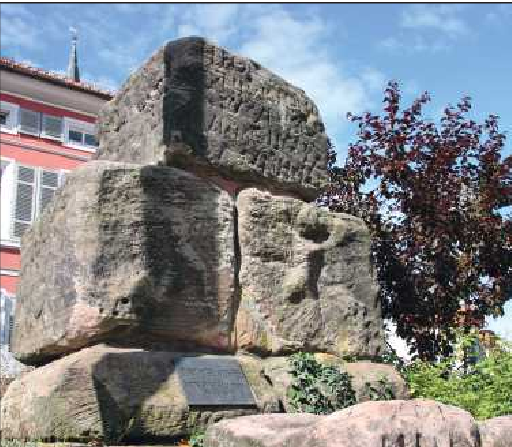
{"points": [[26, 191], [40, 124], [80, 134], [24, 204], [3, 165], [82, 138], [8, 117], [52, 127], [30, 122], [76, 137], [90, 140], [6, 193]]}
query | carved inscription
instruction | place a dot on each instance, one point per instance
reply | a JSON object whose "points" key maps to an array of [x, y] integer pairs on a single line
{"points": [[214, 382]]}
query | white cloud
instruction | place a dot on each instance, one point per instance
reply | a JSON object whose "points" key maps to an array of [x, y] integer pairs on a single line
{"points": [[188, 30], [427, 28], [499, 15], [292, 46], [374, 79], [17, 27], [218, 22], [439, 18], [15, 9], [416, 44], [103, 82]]}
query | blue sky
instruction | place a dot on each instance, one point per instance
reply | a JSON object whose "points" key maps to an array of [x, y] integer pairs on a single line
{"points": [[340, 54]]}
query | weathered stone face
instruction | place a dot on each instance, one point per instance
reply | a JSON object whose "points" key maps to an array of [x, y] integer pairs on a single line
{"points": [[119, 395], [129, 254], [496, 432], [195, 105], [305, 279], [419, 423]]}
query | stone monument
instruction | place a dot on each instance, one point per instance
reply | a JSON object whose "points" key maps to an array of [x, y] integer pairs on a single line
{"points": [[167, 282]]}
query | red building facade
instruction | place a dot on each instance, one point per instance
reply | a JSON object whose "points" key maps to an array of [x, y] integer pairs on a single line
{"points": [[48, 127]]}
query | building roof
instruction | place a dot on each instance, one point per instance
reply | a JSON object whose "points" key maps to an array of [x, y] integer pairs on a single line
{"points": [[54, 78]]}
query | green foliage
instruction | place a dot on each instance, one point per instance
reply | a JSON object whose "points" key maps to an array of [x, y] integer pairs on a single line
{"points": [[317, 388], [431, 195], [383, 390], [196, 440], [484, 388]]}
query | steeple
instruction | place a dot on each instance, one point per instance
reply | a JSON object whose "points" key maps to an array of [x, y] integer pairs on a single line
{"points": [[73, 72]]}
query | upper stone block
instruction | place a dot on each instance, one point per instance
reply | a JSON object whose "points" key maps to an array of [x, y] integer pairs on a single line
{"points": [[198, 107]]}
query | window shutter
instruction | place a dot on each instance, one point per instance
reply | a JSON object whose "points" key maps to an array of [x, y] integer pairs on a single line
{"points": [[29, 121], [24, 203], [52, 126], [62, 180], [49, 183]]}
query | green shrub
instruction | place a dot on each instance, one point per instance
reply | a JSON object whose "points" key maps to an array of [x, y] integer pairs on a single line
{"points": [[484, 389], [317, 388], [196, 439], [383, 390]]}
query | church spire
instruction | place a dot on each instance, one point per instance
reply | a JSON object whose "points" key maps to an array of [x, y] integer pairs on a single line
{"points": [[73, 72]]}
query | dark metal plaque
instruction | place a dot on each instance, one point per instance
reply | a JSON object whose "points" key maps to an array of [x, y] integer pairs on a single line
{"points": [[214, 382]]}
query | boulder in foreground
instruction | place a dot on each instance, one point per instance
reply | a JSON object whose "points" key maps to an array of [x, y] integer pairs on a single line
{"points": [[370, 424], [497, 432]]}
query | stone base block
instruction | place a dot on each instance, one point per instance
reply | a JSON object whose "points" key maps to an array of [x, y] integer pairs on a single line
{"points": [[120, 396]]}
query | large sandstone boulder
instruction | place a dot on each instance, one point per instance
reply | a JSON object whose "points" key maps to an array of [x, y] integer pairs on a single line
{"points": [[497, 432], [131, 254], [306, 280], [197, 106], [369, 424], [118, 395], [272, 430]]}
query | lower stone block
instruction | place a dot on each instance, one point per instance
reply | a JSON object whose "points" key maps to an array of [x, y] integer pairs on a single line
{"points": [[122, 395]]}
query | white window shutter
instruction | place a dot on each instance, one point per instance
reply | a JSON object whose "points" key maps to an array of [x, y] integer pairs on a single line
{"points": [[62, 179], [52, 126], [6, 196], [29, 121], [49, 182], [24, 200]]}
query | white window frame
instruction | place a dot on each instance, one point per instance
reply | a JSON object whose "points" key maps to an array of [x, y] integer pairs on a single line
{"points": [[8, 198], [27, 132], [79, 126], [44, 134], [12, 117], [33, 210]]}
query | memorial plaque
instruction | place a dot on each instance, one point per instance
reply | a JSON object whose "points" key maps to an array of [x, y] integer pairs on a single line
{"points": [[214, 382]]}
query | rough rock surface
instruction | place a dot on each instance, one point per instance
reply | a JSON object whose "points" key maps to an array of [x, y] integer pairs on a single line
{"points": [[306, 280], [497, 432], [194, 104], [274, 430], [119, 395], [369, 424], [128, 253], [378, 376]]}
